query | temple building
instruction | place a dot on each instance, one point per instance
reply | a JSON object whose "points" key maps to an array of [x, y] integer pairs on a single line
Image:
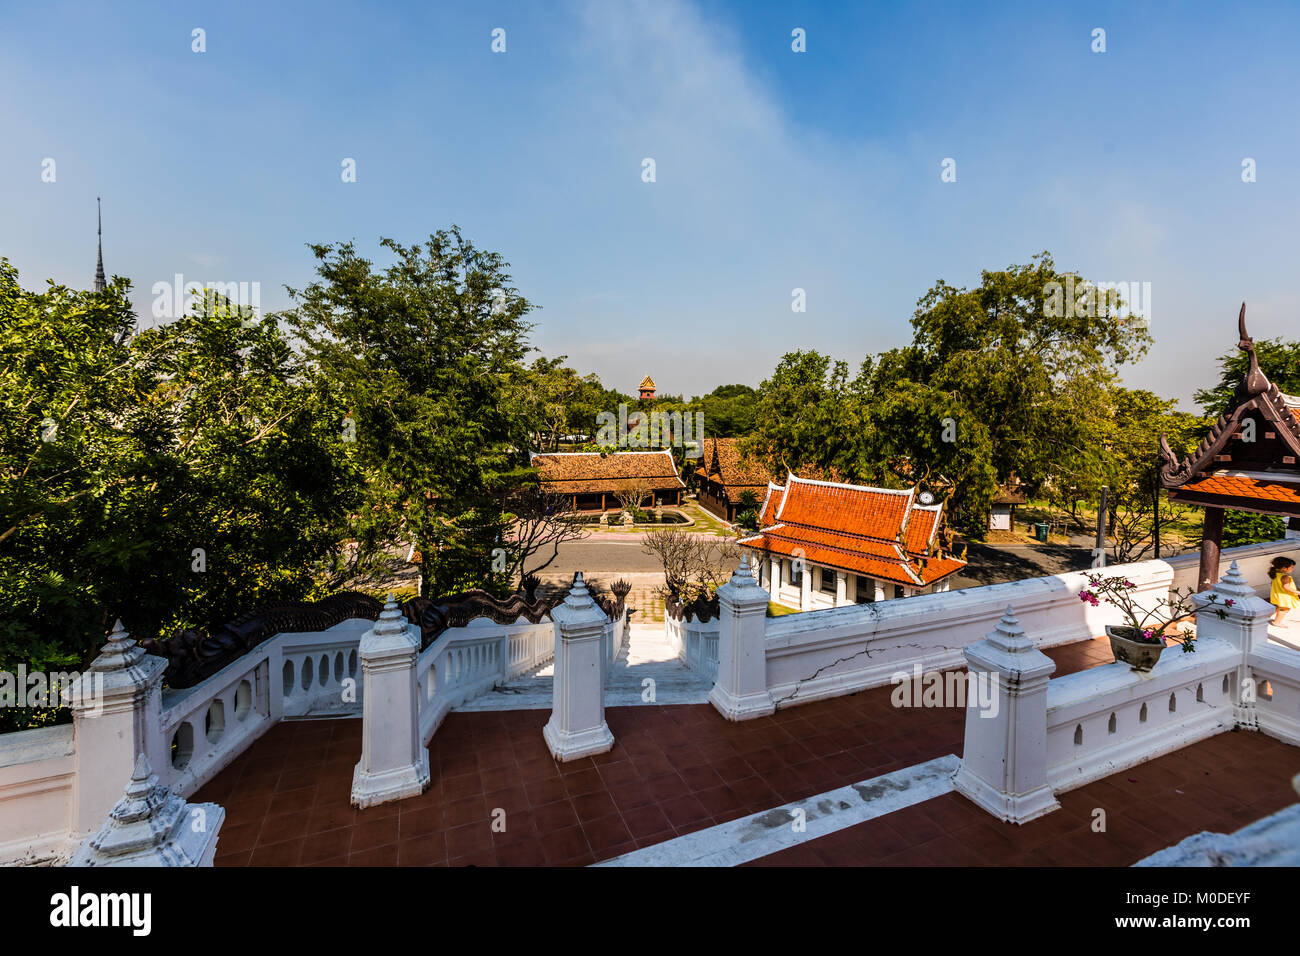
{"points": [[723, 477], [592, 481], [826, 544], [1247, 462], [647, 389]]}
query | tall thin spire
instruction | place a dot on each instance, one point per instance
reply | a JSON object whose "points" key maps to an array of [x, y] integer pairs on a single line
{"points": [[99, 267]]}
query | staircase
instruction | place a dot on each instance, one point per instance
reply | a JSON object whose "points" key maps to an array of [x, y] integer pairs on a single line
{"points": [[646, 654]]}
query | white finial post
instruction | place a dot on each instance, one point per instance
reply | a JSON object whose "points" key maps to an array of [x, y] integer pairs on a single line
{"points": [[116, 709], [577, 726], [1230, 611], [153, 826], [740, 692], [394, 761], [1004, 760]]}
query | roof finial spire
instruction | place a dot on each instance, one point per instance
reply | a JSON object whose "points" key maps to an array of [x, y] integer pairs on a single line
{"points": [[1255, 381], [99, 267]]}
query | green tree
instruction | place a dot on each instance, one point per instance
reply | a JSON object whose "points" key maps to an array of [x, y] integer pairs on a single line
{"points": [[173, 477], [426, 355], [1278, 359], [990, 385], [730, 411]]}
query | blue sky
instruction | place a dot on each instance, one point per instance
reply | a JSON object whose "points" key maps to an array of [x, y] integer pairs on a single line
{"points": [[775, 170]]}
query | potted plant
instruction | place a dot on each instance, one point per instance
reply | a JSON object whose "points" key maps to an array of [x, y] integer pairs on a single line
{"points": [[1145, 633]]}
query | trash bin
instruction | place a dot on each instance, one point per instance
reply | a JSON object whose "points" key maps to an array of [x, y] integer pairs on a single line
{"points": [[1040, 531]]}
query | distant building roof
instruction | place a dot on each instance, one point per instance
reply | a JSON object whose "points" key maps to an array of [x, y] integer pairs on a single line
{"points": [[1008, 496], [879, 532], [583, 472], [721, 462], [647, 382]]}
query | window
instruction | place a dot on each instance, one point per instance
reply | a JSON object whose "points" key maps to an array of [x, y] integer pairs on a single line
{"points": [[898, 591], [828, 581], [866, 590], [796, 575]]}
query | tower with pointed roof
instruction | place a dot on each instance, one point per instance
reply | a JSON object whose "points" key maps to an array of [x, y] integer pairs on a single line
{"points": [[647, 388], [99, 265]]}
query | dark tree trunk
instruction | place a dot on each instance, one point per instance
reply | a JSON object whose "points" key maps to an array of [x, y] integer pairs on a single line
{"points": [[1211, 539]]}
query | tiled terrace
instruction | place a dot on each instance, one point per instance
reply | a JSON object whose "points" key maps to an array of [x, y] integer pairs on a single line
{"points": [[1220, 784], [677, 769]]}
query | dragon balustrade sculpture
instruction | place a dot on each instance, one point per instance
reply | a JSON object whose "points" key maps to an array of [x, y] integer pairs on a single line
{"points": [[194, 656], [433, 616], [700, 608]]}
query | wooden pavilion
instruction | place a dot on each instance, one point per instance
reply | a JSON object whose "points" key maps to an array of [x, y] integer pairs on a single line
{"points": [[592, 481], [1247, 462]]}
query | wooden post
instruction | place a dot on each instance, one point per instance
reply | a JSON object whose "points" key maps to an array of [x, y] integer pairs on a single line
{"points": [[1100, 555], [1155, 516], [1211, 537]]}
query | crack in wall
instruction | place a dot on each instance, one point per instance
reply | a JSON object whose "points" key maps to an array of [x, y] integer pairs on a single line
{"points": [[868, 650]]}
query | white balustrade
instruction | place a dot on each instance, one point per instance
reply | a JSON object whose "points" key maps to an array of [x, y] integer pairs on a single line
{"points": [[465, 662], [696, 643], [1108, 718], [1275, 676]]}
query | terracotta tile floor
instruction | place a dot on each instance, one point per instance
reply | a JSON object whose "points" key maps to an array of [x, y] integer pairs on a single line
{"points": [[1220, 784], [673, 770]]}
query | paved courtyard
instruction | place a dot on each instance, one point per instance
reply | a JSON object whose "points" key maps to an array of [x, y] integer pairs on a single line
{"points": [[675, 770]]}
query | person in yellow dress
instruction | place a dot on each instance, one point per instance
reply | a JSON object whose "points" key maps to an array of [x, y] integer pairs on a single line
{"points": [[1283, 594]]}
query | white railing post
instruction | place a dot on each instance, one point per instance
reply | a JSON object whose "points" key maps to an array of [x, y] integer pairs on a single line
{"points": [[1231, 611], [117, 714], [577, 726], [740, 691], [1004, 760], [394, 763], [153, 826]]}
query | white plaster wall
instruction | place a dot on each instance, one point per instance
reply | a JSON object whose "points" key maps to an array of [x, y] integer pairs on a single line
{"points": [[1278, 715], [824, 653], [36, 777], [1084, 745]]}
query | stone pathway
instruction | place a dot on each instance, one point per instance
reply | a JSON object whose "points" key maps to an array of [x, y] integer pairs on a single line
{"points": [[646, 655], [759, 834]]}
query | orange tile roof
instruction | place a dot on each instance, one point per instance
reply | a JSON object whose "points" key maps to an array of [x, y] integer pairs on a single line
{"points": [[869, 512], [767, 512], [921, 526], [853, 557], [591, 472], [1243, 486], [721, 462], [872, 531]]}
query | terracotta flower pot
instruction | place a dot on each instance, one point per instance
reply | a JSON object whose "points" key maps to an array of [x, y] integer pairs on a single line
{"points": [[1140, 655]]}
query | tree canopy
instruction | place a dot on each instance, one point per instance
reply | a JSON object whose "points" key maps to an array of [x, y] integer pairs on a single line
{"points": [[996, 381], [424, 356], [172, 477]]}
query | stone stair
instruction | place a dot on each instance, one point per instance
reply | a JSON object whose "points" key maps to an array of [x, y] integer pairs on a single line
{"points": [[645, 654]]}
